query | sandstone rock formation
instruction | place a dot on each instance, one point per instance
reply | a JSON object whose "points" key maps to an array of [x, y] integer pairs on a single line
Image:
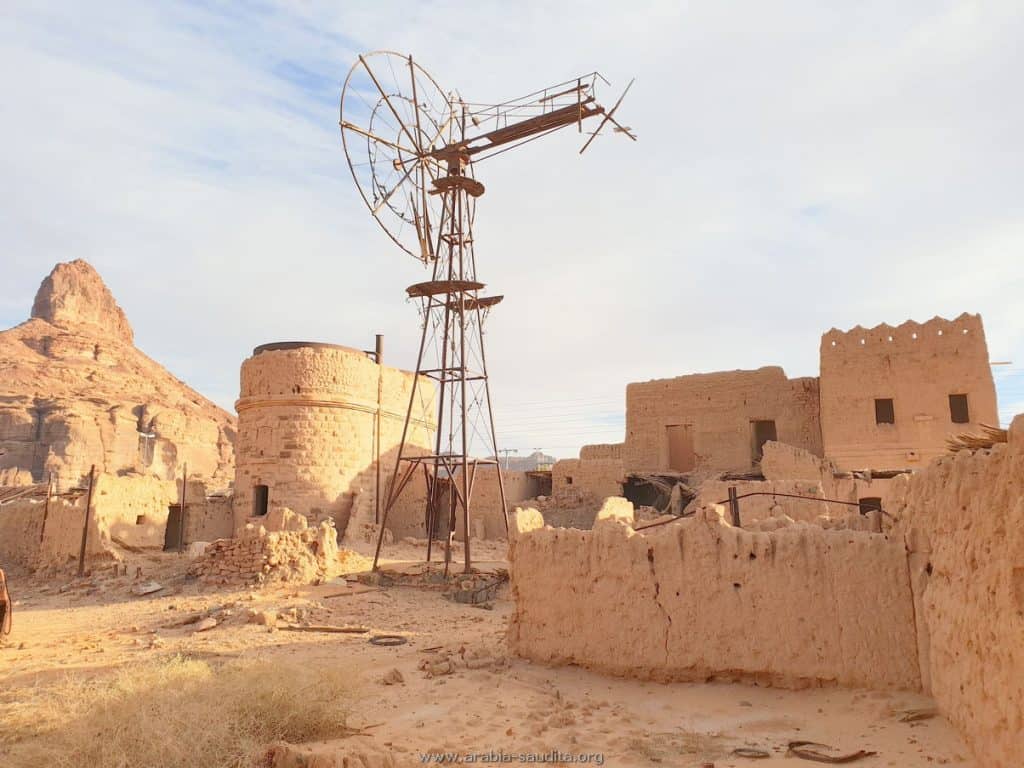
{"points": [[74, 392], [73, 297]]}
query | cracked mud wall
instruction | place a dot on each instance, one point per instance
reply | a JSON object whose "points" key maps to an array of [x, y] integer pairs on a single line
{"points": [[963, 519], [698, 600]]}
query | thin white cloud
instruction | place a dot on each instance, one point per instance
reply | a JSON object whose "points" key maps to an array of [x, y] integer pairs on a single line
{"points": [[801, 165]]}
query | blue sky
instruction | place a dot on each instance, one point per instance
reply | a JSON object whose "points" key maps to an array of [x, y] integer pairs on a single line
{"points": [[801, 165]]}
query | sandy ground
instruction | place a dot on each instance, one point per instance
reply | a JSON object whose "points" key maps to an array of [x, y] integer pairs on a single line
{"points": [[503, 706]]}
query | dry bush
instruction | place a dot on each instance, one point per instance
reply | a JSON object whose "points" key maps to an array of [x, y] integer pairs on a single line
{"points": [[181, 712]]}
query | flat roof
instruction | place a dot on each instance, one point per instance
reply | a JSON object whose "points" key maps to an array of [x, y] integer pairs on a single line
{"points": [[279, 345]]}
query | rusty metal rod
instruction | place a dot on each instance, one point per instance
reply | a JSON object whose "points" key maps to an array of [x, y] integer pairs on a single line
{"points": [[808, 498], [379, 354], [181, 515]]}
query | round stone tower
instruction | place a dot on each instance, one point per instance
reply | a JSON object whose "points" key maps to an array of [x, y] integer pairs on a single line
{"points": [[308, 429]]}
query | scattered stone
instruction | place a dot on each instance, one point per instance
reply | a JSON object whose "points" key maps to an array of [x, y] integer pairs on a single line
{"points": [[393, 677], [264, 618], [206, 624], [146, 587]]}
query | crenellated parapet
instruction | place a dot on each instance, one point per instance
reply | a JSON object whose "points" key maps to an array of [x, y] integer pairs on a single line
{"points": [[892, 395], [938, 334]]}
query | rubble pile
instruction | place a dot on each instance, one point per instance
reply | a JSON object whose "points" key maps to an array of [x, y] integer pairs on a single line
{"points": [[307, 556]]}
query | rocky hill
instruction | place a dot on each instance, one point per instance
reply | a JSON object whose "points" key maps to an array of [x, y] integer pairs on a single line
{"points": [[74, 391]]}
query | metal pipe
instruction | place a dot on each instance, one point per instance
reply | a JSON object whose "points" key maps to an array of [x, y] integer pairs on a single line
{"points": [[85, 527], [181, 516], [401, 445], [379, 355]]}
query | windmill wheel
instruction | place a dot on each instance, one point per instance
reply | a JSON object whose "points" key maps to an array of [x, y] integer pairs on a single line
{"points": [[393, 116]]}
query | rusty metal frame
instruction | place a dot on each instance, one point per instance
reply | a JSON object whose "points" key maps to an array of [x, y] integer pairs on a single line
{"points": [[453, 312]]}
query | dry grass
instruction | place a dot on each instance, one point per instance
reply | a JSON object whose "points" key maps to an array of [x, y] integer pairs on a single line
{"points": [[180, 712], [968, 441]]}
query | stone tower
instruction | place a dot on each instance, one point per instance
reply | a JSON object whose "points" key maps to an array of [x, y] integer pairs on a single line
{"points": [[307, 430]]}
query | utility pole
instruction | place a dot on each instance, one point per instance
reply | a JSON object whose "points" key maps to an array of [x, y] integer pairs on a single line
{"points": [[541, 463], [507, 451]]}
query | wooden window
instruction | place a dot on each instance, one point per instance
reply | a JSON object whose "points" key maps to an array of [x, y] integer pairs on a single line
{"points": [[958, 410], [885, 413]]}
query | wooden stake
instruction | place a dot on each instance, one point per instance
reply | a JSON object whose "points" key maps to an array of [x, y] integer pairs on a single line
{"points": [[46, 509], [88, 518]]}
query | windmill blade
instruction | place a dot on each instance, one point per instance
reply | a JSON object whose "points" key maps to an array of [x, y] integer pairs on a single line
{"points": [[608, 117]]}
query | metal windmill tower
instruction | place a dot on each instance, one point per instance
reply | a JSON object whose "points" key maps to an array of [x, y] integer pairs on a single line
{"points": [[412, 149]]}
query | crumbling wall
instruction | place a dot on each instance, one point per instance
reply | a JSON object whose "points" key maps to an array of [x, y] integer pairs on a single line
{"points": [[575, 481], [792, 471], [718, 409], [917, 365], [963, 521], [753, 508], [208, 519], [698, 599], [601, 451], [20, 529], [132, 511], [489, 522], [128, 513]]}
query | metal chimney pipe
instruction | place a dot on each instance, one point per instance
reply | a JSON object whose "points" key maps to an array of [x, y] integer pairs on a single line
{"points": [[379, 354]]}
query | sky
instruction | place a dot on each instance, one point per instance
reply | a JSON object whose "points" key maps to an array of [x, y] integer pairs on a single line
{"points": [[800, 166]]}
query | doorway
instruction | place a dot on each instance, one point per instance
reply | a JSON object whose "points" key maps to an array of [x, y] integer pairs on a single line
{"points": [[761, 432], [173, 533], [260, 500], [681, 457]]}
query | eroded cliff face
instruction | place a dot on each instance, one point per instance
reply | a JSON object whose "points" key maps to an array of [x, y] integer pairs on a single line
{"points": [[963, 520], [75, 392], [75, 298]]}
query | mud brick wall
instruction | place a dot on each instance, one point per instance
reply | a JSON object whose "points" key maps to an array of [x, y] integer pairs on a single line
{"points": [[698, 600], [586, 480], [918, 366], [963, 519], [718, 408]]}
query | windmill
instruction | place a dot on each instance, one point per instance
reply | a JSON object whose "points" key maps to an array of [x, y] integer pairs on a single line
{"points": [[413, 149]]}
